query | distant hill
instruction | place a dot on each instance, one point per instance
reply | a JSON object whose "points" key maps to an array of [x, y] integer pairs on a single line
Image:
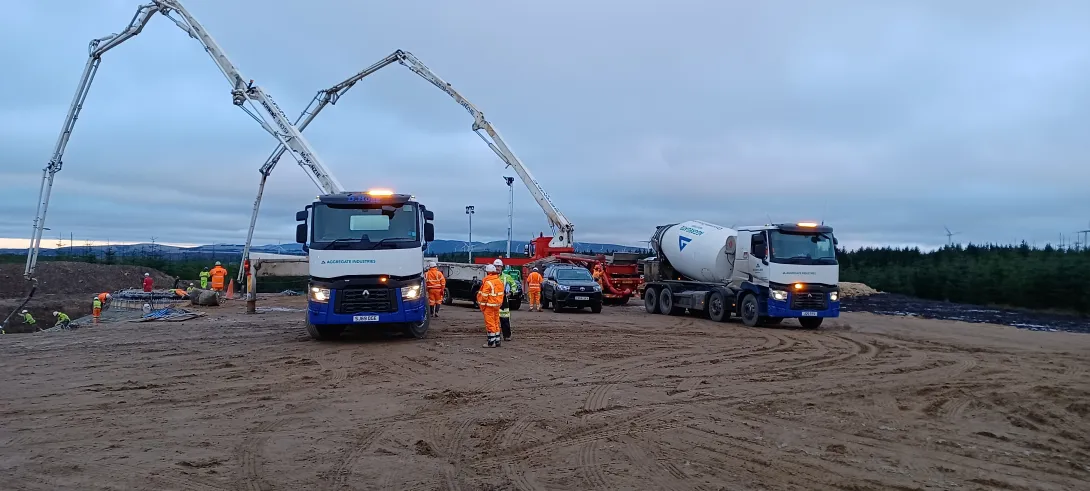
{"points": [[173, 252]]}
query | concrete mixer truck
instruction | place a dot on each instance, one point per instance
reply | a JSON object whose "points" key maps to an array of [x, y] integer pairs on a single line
{"points": [[763, 274]]}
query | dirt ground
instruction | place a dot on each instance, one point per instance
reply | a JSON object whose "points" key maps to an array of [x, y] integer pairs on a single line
{"points": [[578, 401]]}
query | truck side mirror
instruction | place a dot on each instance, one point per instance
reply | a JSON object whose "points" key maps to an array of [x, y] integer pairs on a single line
{"points": [[429, 215], [429, 232], [301, 216], [301, 233]]}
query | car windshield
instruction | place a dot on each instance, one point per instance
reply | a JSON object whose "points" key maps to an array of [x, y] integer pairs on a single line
{"points": [[801, 248], [573, 274], [364, 227]]}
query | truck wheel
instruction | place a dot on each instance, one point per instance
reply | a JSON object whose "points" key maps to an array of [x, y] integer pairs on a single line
{"points": [[417, 330], [651, 301], [772, 321], [717, 307], [447, 299], [596, 308], [666, 302], [324, 333], [810, 322], [751, 311]]}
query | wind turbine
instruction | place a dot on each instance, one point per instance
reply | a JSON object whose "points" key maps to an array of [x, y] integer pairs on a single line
{"points": [[949, 235]]}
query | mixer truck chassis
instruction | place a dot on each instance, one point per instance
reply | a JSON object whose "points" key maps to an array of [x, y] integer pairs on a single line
{"points": [[719, 302]]}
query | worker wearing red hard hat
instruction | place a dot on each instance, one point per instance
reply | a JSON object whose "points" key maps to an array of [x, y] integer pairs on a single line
{"points": [[490, 298]]}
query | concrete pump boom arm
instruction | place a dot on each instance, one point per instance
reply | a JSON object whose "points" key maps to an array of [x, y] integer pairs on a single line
{"points": [[242, 90], [565, 229]]}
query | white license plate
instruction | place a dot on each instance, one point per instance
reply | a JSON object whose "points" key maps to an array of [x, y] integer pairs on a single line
{"points": [[809, 314], [364, 318], [582, 298]]}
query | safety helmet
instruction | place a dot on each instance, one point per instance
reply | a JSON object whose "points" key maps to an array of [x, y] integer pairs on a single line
{"points": [[206, 268], [23, 312], [147, 274], [487, 269], [431, 264], [109, 296], [190, 283], [535, 269], [55, 313], [217, 263], [497, 263]]}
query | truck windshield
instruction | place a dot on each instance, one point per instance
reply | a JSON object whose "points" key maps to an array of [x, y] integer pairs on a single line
{"points": [[573, 274], [796, 248], [364, 227]]}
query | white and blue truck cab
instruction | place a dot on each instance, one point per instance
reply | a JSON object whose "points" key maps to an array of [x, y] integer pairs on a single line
{"points": [[366, 260], [763, 274]]}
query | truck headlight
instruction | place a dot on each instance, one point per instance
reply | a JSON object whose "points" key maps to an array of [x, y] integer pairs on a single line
{"points": [[410, 292], [563, 288], [834, 296], [778, 295], [320, 295]]}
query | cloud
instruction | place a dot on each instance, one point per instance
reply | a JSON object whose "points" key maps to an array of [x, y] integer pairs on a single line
{"points": [[889, 120]]}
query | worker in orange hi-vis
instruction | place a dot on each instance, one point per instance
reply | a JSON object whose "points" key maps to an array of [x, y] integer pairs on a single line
{"points": [[490, 298], [435, 283], [533, 290], [219, 274], [597, 275]]}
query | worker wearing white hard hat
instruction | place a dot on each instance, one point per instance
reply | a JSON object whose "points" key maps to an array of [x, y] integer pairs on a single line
{"points": [[497, 263], [533, 290], [63, 320], [27, 318], [435, 282], [490, 299]]}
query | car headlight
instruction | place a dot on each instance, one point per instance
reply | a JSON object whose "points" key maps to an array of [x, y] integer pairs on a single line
{"points": [[410, 292], [596, 288], [834, 296], [563, 288], [320, 295], [778, 295]]}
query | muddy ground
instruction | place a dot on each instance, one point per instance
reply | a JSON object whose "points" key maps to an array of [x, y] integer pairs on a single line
{"points": [[618, 400], [902, 305]]}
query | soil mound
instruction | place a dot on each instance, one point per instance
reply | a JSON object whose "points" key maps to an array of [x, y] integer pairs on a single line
{"points": [[62, 277], [849, 289]]}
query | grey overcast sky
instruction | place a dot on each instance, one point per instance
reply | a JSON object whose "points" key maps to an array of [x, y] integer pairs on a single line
{"points": [[886, 119]]}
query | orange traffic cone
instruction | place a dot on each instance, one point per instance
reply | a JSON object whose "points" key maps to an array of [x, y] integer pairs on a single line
{"points": [[231, 290]]}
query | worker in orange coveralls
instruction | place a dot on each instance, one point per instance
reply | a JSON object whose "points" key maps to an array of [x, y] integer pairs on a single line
{"points": [[490, 298], [533, 290], [219, 273], [436, 283], [597, 275]]}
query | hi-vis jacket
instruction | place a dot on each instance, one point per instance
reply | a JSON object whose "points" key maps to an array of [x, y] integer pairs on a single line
{"points": [[435, 279], [490, 296]]}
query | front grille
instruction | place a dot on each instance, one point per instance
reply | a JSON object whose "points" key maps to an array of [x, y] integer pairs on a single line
{"points": [[582, 289], [351, 301], [808, 301]]}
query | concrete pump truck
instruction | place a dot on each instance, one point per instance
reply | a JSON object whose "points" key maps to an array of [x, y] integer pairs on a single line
{"points": [[370, 245]]}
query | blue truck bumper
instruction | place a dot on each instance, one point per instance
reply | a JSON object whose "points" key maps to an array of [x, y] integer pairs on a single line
{"points": [[408, 311], [778, 308]]}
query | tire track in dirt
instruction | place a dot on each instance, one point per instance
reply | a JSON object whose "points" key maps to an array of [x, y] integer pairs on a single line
{"points": [[328, 363], [346, 467], [453, 449], [249, 454], [598, 398], [590, 467], [638, 423], [664, 474], [516, 471], [132, 472]]}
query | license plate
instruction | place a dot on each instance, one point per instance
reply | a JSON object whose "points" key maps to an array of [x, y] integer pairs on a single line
{"points": [[364, 318], [809, 314], [582, 298]]}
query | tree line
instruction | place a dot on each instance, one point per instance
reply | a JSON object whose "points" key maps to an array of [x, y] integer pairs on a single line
{"points": [[1047, 278]]}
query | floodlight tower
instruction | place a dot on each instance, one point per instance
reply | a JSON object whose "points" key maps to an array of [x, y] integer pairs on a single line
{"points": [[469, 211], [510, 211]]}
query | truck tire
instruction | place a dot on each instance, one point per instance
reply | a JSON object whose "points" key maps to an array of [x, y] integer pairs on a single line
{"points": [[651, 301], [417, 330], [324, 333], [666, 302], [810, 322], [596, 308], [750, 311], [447, 299], [718, 311]]}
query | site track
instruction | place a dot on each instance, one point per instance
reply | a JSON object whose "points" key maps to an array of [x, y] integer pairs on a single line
{"points": [[579, 401]]}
